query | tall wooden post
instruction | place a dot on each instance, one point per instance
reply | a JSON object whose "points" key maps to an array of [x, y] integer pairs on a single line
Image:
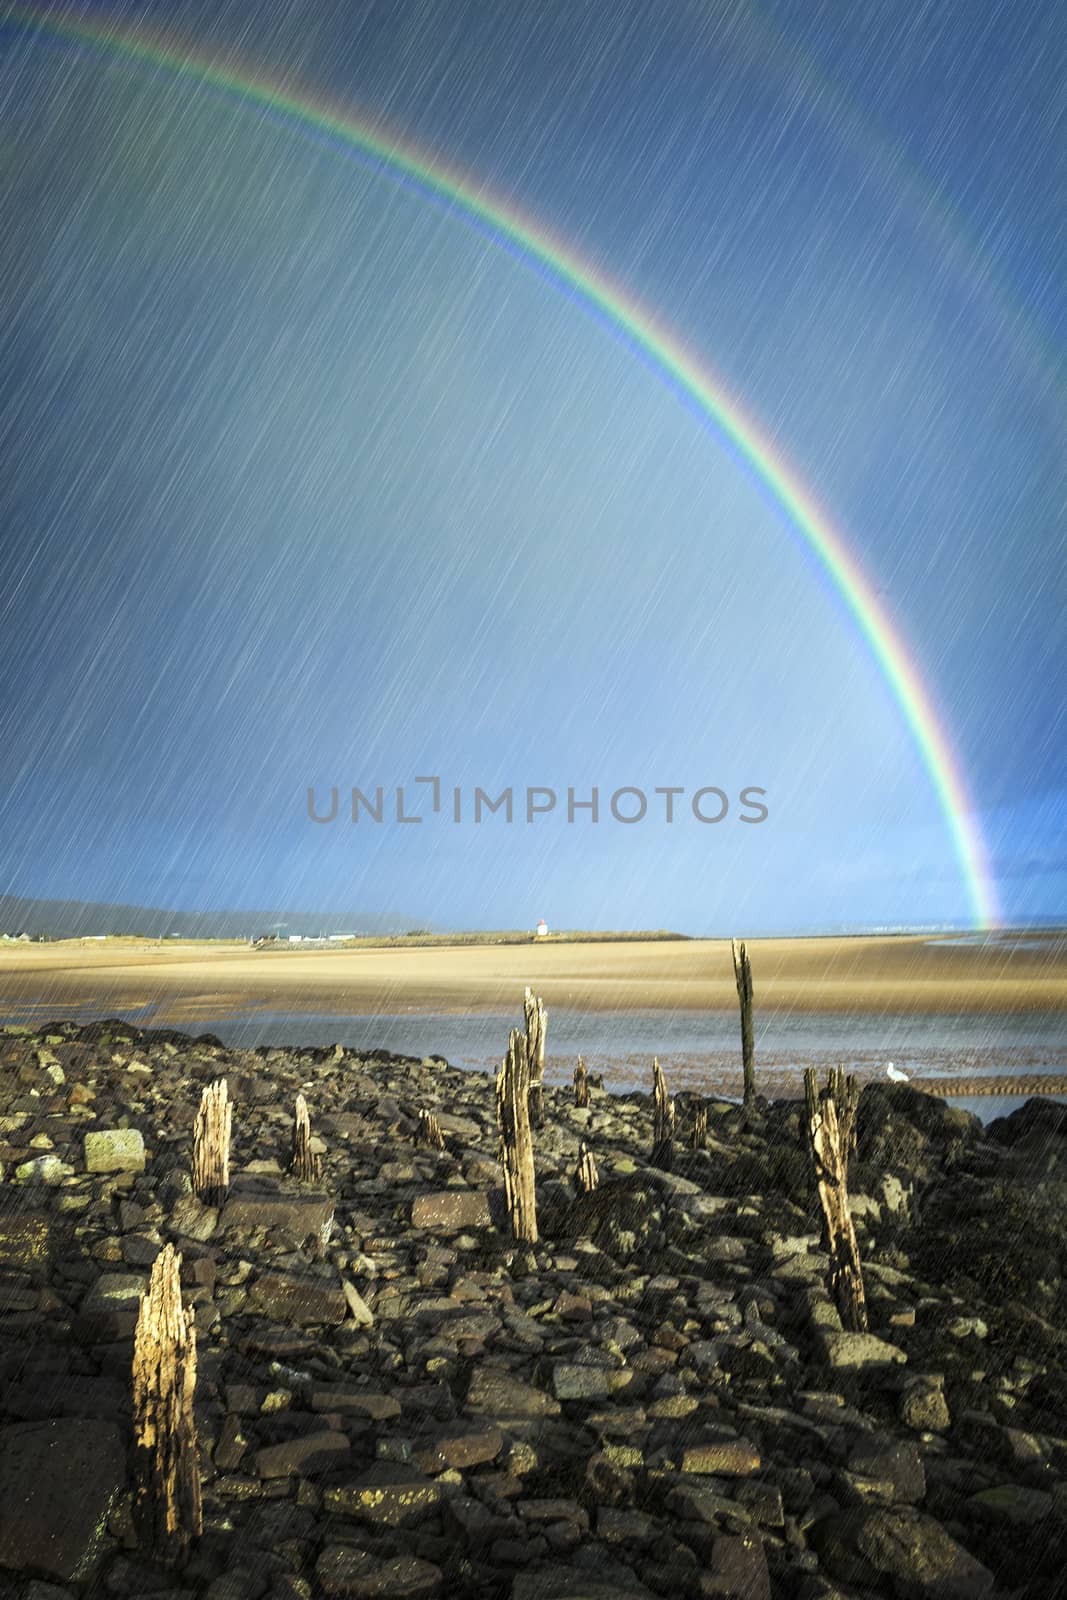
{"points": [[831, 1126], [516, 1140], [211, 1144], [581, 1084], [698, 1133], [428, 1131], [743, 979], [662, 1155], [303, 1163], [536, 1017], [586, 1177], [166, 1466]]}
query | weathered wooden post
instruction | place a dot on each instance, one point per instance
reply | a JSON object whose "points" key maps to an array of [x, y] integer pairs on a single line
{"points": [[581, 1084], [211, 1144], [516, 1140], [831, 1128], [662, 1155], [743, 979], [166, 1466], [536, 1017], [586, 1176], [428, 1133], [303, 1163], [698, 1133]]}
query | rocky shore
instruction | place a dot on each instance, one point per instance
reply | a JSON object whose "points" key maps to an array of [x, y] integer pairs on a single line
{"points": [[395, 1402]]}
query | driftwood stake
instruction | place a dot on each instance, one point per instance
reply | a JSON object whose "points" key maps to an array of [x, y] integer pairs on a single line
{"points": [[581, 1084], [166, 1466], [516, 1140], [831, 1126], [536, 1017], [698, 1133], [303, 1163], [211, 1144], [586, 1176], [743, 979], [662, 1155], [428, 1131]]}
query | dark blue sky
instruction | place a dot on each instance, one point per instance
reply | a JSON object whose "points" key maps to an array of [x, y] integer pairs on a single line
{"points": [[304, 482]]}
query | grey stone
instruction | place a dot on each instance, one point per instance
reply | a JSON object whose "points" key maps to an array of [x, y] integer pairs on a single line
{"points": [[923, 1406], [580, 1383], [47, 1169], [115, 1150], [860, 1350], [358, 1309], [192, 1219], [115, 1291]]}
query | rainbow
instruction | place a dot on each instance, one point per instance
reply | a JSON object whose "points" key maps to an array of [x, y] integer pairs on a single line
{"points": [[532, 242]]}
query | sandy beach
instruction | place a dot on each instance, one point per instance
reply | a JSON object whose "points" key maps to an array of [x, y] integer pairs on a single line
{"points": [[902, 974]]}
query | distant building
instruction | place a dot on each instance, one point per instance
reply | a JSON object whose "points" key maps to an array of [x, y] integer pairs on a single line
{"points": [[542, 929]]}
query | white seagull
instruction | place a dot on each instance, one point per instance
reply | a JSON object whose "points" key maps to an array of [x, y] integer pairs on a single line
{"points": [[895, 1074]]}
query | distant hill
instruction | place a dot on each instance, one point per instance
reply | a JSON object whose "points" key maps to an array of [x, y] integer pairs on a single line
{"points": [[71, 919]]}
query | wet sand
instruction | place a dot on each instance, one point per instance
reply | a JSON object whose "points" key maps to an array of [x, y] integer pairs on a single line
{"points": [[189, 980]]}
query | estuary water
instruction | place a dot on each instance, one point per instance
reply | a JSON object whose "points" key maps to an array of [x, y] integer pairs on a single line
{"points": [[699, 1050]]}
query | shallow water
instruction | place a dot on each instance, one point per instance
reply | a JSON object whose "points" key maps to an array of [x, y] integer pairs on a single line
{"points": [[697, 1049]]}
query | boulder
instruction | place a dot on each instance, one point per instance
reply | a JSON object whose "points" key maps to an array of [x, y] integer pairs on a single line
{"points": [[451, 1210], [503, 1397], [294, 1299], [863, 1351], [115, 1150], [296, 1214], [58, 1483], [901, 1553]]}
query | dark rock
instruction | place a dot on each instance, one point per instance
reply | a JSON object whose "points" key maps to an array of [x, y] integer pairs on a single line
{"points": [[738, 1569], [897, 1461], [504, 1397], [295, 1214], [304, 1457], [386, 1496], [304, 1301], [909, 1554], [58, 1483], [345, 1571]]}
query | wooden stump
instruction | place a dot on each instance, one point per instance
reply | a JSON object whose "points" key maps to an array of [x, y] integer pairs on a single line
{"points": [[743, 979], [581, 1084], [211, 1144], [831, 1128], [303, 1163], [662, 1155], [428, 1131], [516, 1140], [536, 1017], [586, 1176], [698, 1133], [166, 1466]]}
